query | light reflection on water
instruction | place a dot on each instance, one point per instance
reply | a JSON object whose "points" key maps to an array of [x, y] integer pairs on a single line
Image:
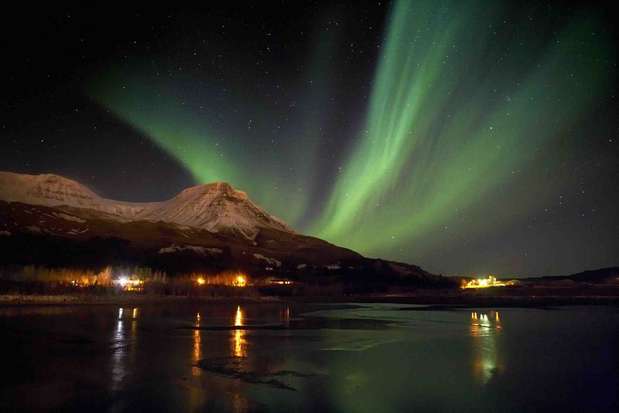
{"points": [[484, 330], [286, 315], [239, 342], [239, 402], [124, 348], [118, 353], [197, 348]]}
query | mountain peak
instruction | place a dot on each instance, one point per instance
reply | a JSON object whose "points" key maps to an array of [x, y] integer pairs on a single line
{"points": [[219, 187], [44, 189]]}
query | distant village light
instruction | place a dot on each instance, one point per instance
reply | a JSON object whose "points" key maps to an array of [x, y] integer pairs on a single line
{"points": [[201, 281], [490, 281], [240, 281], [279, 281], [129, 284]]}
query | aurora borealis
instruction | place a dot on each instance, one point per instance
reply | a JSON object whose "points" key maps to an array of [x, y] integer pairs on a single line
{"points": [[440, 140], [462, 136]]}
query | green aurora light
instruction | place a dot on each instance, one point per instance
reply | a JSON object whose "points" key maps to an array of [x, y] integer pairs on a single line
{"points": [[452, 123], [440, 138]]}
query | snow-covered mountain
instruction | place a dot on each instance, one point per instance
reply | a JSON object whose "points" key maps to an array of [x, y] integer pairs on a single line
{"points": [[216, 207], [53, 221]]}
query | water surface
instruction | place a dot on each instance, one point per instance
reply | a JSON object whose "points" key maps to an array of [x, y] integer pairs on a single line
{"points": [[280, 357]]}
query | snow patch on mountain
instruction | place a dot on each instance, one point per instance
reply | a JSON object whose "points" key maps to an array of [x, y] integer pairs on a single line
{"points": [[198, 250], [270, 261], [68, 217]]}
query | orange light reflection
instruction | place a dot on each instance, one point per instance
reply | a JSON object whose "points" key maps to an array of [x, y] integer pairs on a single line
{"points": [[239, 343]]}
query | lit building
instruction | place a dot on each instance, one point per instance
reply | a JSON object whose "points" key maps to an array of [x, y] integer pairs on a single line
{"points": [[129, 283], [279, 281], [490, 281], [240, 280]]}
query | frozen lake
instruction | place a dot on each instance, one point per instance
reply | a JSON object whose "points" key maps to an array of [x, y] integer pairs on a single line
{"points": [[308, 357]]}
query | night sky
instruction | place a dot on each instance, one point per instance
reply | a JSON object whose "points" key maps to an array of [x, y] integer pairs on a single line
{"points": [[461, 136]]}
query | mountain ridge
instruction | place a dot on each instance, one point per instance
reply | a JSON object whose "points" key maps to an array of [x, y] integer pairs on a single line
{"points": [[214, 206]]}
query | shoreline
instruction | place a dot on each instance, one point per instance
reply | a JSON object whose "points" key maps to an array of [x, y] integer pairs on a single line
{"points": [[437, 301], [80, 300]]}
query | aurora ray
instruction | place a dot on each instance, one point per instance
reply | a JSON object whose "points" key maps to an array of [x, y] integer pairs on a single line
{"points": [[445, 131]]}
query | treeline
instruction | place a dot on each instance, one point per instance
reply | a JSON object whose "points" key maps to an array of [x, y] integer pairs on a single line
{"points": [[77, 276], [32, 279]]}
